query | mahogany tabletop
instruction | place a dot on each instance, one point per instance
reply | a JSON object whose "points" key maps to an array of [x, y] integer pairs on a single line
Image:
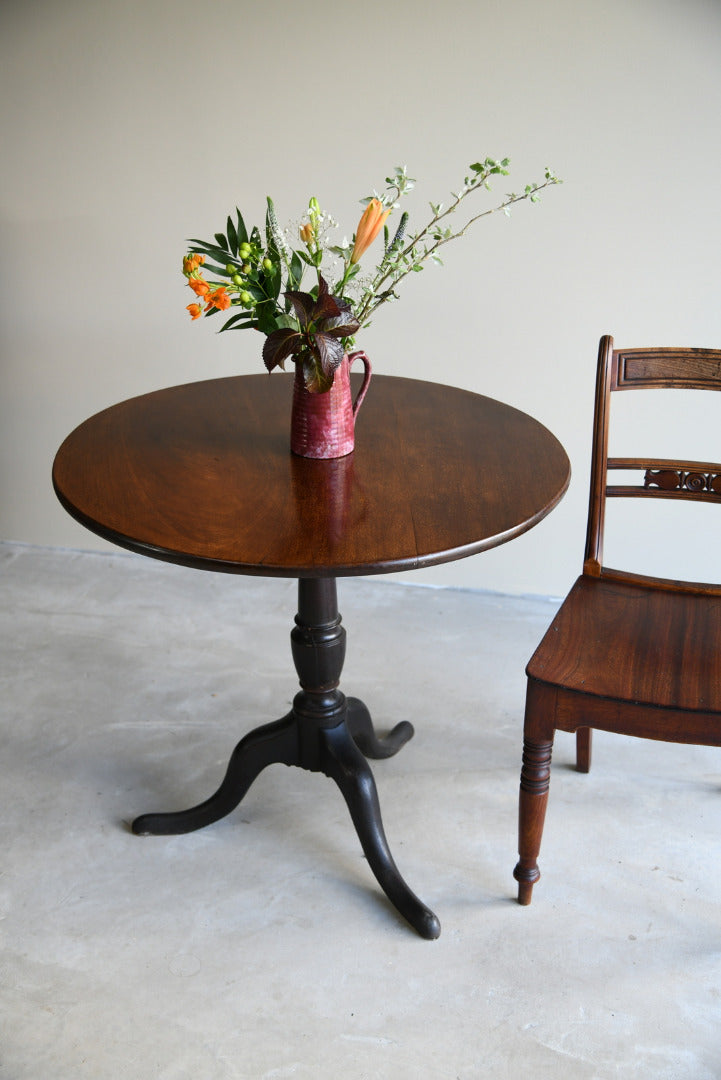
{"points": [[202, 475]]}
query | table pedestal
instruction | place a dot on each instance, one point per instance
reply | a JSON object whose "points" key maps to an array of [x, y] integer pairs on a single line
{"points": [[324, 732]]}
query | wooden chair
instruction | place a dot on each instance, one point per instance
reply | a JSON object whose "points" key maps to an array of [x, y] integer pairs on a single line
{"points": [[626, 653]]}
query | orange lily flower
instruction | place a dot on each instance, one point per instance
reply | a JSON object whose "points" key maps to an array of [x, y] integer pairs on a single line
{"points": [[199, 286], [194, 310], [369, 226], [218, 299]]}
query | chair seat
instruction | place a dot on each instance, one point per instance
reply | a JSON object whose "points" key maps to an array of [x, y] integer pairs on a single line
{"points": [[633, 643]]}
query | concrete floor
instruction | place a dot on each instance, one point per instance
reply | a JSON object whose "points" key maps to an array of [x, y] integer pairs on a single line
{"points": [[262, 947]]}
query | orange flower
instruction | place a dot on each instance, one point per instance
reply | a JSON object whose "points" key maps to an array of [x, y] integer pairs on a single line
{"points": [[191, 263], [369, 226], [219, 299], [199, 286], [194, 310]]}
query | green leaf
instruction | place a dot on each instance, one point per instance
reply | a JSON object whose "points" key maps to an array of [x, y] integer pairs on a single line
{"points": [[295, 274], [351, 273], [271, 281], [241, 231], [218, 253], [257, 292], [222, 241], [241, 317], [232, 237], [209, 268], [265, 316]]}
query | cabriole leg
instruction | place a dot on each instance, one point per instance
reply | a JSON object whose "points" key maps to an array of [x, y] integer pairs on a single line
{"points": [[344, 763], [276, 742], [372, 745]]}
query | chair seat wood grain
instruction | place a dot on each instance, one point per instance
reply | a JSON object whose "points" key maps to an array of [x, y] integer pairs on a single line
{"points": [[635, 643]]}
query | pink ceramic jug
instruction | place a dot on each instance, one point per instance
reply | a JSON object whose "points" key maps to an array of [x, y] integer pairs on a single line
{"points": [[323, 425]]}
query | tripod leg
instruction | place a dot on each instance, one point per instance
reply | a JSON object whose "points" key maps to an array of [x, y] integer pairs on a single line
{"points": [[276, 742], [364, 734], [344, 763]]}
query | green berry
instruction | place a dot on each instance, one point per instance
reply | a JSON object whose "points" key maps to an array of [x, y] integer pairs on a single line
{"points": [[267, 264], [230, 268], [237, 279], [245, 297]]}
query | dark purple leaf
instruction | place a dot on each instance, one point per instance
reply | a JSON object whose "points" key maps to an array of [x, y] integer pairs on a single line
{"points": [[279, 345], [316, 381], [326, 307], [303, 304], [329, 352], [342, 325]]}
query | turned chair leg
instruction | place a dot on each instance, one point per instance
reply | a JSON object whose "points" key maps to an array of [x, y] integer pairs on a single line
{"points": [[584, 737], [533, 800]]}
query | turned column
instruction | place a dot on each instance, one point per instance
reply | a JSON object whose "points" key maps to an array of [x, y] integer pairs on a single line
{"points": [[535, 781]]}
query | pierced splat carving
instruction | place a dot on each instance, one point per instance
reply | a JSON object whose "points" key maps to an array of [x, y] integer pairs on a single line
{"points": [[682, 480]]}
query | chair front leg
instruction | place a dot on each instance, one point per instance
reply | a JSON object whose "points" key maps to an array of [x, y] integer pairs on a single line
{"points": [[535, 780]]}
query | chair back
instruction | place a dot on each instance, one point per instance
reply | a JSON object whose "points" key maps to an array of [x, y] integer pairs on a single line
{"points": [[659, 478]]}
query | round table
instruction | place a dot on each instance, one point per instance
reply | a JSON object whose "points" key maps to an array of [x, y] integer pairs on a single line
{"points": [[202, 475]]}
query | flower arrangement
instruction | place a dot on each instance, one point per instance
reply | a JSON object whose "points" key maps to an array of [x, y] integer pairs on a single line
{"points": [[258, 274]]}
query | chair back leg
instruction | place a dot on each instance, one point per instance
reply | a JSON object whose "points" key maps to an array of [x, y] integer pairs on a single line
{"points": [[584, 737]]}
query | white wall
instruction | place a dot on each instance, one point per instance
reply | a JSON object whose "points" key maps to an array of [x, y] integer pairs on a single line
{"points": [[130, 126]]}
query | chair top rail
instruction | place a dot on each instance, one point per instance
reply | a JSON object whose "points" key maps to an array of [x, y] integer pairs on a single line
{"points": [[681, 369]]}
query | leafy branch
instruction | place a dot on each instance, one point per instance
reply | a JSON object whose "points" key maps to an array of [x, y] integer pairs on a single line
{"points": [[258, 273], [409, 258]]}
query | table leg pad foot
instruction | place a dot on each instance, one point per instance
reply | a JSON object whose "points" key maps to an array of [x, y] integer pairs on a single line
{"points": [[364, 734]]}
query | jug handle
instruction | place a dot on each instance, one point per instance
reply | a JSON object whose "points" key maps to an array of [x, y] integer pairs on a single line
{"points": [[360, 355]]}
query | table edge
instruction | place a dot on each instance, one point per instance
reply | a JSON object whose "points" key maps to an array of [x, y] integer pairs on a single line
{"points": [[417, 562]]}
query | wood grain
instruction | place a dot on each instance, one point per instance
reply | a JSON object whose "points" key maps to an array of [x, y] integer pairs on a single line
{"points": [[202, 474]]}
